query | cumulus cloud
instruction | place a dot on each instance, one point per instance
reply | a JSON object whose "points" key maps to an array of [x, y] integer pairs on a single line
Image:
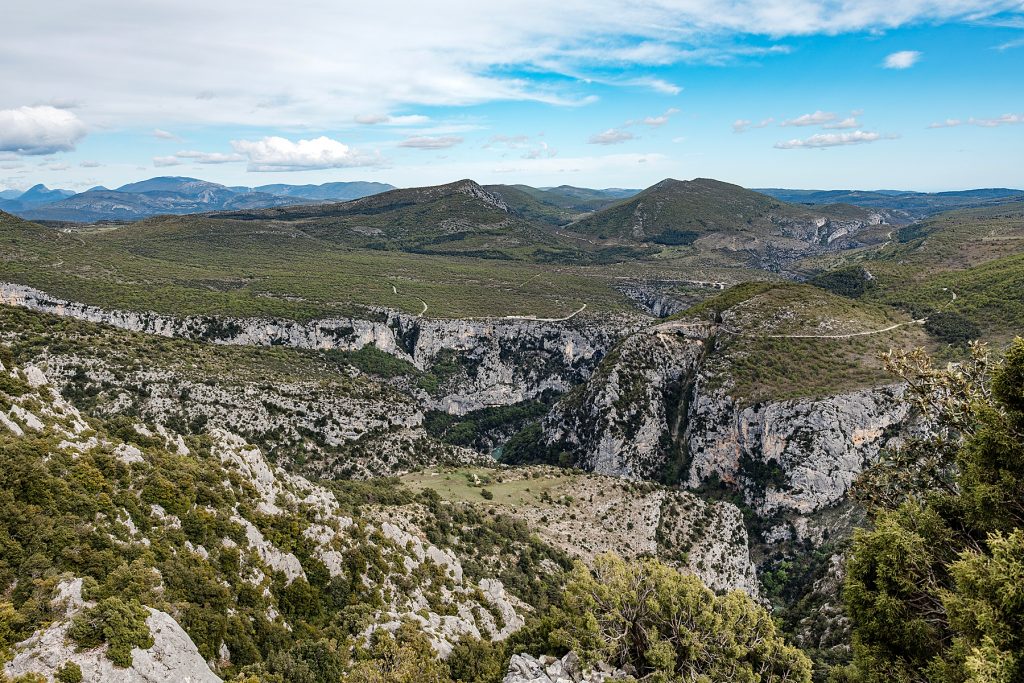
{"points": [[902, 60], [816, 119], [431, 141], [39, 130], [161, 134], [659, 120], [821, 140], [743, 125], [90, 164], [848, 123], [612, 136], [280, 154], [161, 162]]}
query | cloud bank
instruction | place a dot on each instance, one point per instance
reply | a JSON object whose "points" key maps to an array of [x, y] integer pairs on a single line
{"points": [[39, 130]]}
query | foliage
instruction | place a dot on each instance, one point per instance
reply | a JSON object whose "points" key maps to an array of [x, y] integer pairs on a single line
{"points": [[951, 327], [373, 361], [934, 589], [69, 672], [853, 281], [407, 658], [119, 624], [668, 626], [481, 428]]}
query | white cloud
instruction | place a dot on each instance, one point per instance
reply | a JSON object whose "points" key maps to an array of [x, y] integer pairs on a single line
{"points": [[612, 136], [431, 142], [1010, 44], [1004, 120], [386, 119], [848, 123], [659, 120], [161, 162], [209, 157], [161, 134], [658, 85], [741, 125], [816, 119], [820, 140], [280, 154], [39, 130], [345, 61], [902, 60], [90, 164], [541, 151]]}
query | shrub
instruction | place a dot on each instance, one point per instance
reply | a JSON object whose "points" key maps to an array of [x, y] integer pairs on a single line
{"points": [[121, 625], [69, 672]]}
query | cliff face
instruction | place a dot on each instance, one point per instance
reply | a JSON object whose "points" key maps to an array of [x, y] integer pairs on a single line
{"points": [[621, 421], [651, 410], [504, 360], [794, 456]]}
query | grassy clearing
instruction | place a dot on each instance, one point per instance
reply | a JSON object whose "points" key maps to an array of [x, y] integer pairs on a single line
{"points": [[508, 488]]}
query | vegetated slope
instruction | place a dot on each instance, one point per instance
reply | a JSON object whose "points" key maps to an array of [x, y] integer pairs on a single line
{"points": [[459, 217], [183, 265], [966, 265], [913, 205], [556, 205], [717, 216]]}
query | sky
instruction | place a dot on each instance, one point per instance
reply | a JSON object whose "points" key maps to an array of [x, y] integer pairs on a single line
{"points": [[833, 94]]}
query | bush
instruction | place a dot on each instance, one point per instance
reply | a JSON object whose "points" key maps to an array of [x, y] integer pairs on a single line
{"points": [[850, 282], [667, 626], [121, 625], [69, 672]]}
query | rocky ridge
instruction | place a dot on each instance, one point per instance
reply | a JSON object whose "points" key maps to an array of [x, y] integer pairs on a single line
{"points": [[505, 360]]}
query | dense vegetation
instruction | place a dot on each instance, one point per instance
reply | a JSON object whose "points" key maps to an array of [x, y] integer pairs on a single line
{"points": [[934, 587]]}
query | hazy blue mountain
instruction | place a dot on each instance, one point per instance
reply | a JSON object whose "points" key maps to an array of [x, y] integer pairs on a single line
{"points": [[914, 204], [342, 191], [37, 195]]}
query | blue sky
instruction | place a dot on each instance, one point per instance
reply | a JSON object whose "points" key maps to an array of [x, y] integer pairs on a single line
{"points": [[919, 94]]}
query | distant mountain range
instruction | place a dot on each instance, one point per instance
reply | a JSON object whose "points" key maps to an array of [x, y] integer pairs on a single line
{"points": [[171, 195], [556, 206], [915, 205]]}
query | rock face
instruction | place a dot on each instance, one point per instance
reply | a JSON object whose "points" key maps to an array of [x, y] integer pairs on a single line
{"points": [[524, 668], [799, 455], [173, 656], [649, 407], [503, 360], [620, 422]]}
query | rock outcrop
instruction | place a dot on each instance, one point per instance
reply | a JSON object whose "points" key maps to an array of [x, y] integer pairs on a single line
{"points": [[792, 456], [173, 656], [524, 668], [503, 360], [621, 421]]}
